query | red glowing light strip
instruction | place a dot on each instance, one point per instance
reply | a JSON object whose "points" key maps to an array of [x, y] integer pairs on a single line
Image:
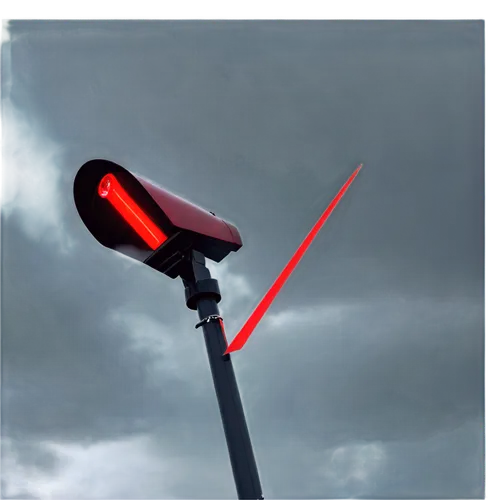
{"points": [[221, 323], [110, 189], [241, 338]]}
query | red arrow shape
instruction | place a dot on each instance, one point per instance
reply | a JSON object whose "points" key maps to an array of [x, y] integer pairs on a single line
{"points": [[241, 338]]}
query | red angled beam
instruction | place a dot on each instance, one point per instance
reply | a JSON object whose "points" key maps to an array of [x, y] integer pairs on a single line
{"points": [[110, 189], [241, 338]]}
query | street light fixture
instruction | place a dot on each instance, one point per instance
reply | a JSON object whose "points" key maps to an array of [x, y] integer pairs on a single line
{"points": [[133, 216]]}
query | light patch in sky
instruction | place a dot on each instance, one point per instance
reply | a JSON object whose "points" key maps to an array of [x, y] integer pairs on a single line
{"points": [[105, 471], [32, 167]]}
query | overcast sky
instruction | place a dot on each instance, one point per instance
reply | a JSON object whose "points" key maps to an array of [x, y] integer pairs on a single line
{"points": [[365, 379]]}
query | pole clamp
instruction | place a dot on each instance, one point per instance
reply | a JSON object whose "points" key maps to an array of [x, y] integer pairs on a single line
{"points": [[208, 319]]}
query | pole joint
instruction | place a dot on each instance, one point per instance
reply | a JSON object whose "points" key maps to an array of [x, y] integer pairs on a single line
{"points": [[212, 317]]}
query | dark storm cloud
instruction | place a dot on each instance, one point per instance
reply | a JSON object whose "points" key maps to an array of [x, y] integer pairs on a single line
{"points": [[70, 374], [417, 468], [366, 379], [67, 370], [227, 102], [385, 372]]}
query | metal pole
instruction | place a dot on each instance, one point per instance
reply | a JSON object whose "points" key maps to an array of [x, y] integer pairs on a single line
{"points": [[202, 293]]}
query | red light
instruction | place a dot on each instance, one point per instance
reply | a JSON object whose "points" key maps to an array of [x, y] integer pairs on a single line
{"points": [[110, 189], [240, 339]]}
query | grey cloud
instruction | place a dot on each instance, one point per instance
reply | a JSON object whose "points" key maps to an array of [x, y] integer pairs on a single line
{"points": [[68, 371], [192, 123], [22, 462], [30, 455], [368, 469], [14, 492], [382, 364]]}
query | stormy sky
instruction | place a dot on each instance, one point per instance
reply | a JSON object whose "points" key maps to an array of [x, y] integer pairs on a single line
{"points": [[365, 379]]}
